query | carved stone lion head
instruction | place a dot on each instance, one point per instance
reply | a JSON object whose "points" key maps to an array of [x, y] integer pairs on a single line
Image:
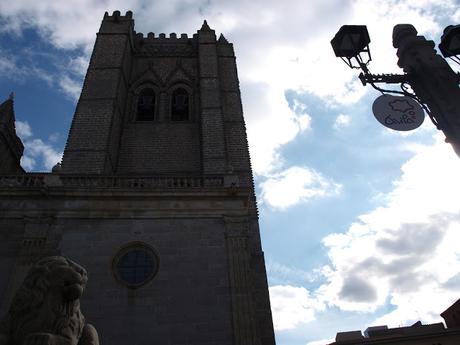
{"points": [[48, 302]]}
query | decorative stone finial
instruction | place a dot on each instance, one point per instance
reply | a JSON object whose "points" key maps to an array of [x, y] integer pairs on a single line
{"points": [[205, 26], [11, 96], [222, 39]]}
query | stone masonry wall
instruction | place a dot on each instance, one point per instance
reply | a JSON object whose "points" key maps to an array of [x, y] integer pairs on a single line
{"points": [[92, 146], [11, 234], [188, 302], [156, 148], [9, 163]]}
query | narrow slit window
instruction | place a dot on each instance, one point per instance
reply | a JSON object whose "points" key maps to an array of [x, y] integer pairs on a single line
{"points": [[180, 105], [146, 105]]}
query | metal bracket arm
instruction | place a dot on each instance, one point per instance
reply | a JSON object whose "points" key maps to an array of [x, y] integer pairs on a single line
{"points": [[367, 78]]}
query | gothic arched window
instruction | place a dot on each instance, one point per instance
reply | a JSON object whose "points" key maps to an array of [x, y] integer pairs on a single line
{"points": [[146, 105], [180, 105]]}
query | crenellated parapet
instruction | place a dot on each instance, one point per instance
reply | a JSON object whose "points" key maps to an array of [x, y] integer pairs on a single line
{"points": [[163, 45], [116, 16], [116, 23], [152, 38]]}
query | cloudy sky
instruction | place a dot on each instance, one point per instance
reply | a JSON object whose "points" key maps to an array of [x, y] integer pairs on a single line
{"points": [[360, 224]]}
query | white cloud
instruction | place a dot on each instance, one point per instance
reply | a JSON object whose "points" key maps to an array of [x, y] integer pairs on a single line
{"points": [[404, 251], [292, 306], [303, 121], [54, 137], [36, 151], [79, 65], [321, 342], [10, 68], [48, 155], [342, 121], [28, 163], [37, 154], [66, 24], [294, 185], [71, 87], [271, 124], [7, 65], [23, 129], [282, 274]]}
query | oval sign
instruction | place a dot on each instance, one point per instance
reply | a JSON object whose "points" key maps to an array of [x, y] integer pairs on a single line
{"points": [[400, 113]]}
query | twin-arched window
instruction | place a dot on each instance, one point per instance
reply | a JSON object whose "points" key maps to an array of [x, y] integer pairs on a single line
{"points": [[179, 105]]}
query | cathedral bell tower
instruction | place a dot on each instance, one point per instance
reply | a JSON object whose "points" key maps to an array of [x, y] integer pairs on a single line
{"points": [[155, 196]]}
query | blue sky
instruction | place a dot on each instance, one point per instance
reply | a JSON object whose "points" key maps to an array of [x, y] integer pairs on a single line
{"points": [[360, 224]]}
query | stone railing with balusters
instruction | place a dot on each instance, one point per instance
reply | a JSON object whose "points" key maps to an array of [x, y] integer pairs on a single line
{"points": [[45, 180], [22, 181]]}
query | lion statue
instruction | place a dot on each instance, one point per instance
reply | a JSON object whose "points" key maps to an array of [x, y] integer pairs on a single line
{"points": [[46, 307]]}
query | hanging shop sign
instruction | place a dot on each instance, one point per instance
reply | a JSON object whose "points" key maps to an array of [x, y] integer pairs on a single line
{"points": [[401, 113]]}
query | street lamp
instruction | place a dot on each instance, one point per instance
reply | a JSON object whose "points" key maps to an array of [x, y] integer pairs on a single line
{"points": [[450, 42], [350, 42], [433, 84]]}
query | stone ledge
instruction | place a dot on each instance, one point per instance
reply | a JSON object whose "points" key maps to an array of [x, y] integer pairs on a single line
{"points": [[67, 181]]}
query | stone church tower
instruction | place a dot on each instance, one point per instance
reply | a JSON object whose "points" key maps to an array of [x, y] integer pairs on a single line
{"points": [[154, 196]]}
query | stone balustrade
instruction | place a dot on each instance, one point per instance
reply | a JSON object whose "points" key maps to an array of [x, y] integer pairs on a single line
{"points": [[45, 180]]}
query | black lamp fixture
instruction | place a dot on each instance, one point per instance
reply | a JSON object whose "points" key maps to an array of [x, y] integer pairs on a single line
{"points": [[352, 42], [450, 43]]}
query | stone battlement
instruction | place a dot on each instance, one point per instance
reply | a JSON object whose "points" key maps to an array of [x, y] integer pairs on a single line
{"points": [[162, 36], [116, 16], [141, 38]]}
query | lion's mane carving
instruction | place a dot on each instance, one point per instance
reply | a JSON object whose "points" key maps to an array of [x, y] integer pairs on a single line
{"points": [[46, 307]]}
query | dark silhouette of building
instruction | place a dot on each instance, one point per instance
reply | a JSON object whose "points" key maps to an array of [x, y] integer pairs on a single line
{"points": [[452, 315], [417, 334], [11, 148], [154, 196]]}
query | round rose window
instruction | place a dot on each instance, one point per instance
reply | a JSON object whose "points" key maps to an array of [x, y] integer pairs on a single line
{"points": [[135, 265]]}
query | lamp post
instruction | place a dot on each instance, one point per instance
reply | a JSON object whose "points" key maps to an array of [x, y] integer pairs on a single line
{"points": [[434, 84]]}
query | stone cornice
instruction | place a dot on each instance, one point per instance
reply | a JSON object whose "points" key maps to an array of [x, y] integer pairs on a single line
{"points": [[132, 182]]}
